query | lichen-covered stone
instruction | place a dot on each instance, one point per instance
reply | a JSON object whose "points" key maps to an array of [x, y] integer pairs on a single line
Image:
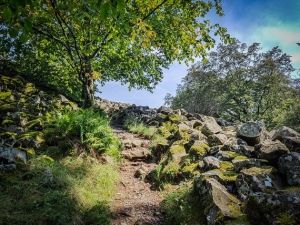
{"points": [[210, 126], [199, 149], [256, 179], [245, 163], [290, 165], [217, 203], [216, 139], [211, 163], [177, 151], [226, 155], [252, 132], [271, 150], [246, 150]]}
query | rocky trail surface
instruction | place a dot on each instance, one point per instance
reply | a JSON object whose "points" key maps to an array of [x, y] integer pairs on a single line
{"points": [[135, 203]]}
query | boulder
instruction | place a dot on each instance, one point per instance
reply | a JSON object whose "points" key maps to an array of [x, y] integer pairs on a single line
{"points": [[199, 149], [210, 126], [225, 155], [216, 139], [252, 132], [282, 207], [164, 110], [216, 202], [256, 179], [271, 150], [211, 163], [246, 150], [10, 155], [284, 132], [177, 151], [290, 165], [240, 163]]}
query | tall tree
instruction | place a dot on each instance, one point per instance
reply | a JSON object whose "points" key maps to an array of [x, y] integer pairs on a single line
{"points": [[238, 82], [130, 41]]}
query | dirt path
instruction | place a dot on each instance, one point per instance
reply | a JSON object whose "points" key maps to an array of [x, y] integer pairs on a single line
{"points": [[135, 203]]}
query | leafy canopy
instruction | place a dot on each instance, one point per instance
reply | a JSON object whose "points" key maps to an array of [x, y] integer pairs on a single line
{"points": [[129, 41], [240, 83]]}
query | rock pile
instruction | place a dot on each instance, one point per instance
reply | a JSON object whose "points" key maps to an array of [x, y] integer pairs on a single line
{"points": [[21, 130], [243, 174]]}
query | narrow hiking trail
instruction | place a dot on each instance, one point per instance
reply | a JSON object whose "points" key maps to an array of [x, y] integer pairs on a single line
{"points": [[135, 203]]}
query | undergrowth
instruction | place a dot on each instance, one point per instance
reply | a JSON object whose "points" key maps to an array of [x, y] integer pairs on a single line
{"points": [[135, 125], [76, 193], [84, 130], [182, 207]]}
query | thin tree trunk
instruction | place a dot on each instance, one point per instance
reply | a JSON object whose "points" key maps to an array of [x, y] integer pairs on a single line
{"points": [[87, 86]]}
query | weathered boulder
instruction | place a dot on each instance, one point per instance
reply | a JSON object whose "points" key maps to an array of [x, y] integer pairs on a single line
{"points": [[225, 155], [10, 155], [240, 163], [256, 179], [284, 132], [252, 132], [281, 207], [271, 150], [216, 139], [164, 110], [217, 203], [210, 126], [246, 150], [177, 151], [211, 163], [290, 165], [199, 149], [183, 132]]}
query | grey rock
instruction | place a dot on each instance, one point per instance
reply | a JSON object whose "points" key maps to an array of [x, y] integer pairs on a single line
{"points": [[271, 150], [290, 165], [257, 179], [210, 126], [216, 139], [211, 162], [252, 132]]}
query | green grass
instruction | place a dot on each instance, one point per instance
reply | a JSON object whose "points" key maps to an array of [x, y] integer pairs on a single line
{"points": [[78, 192], [183, 207], [135, 125]]}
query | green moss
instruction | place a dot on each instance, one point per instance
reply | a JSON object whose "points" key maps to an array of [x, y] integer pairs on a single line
{"points": [[199, 150], [35, 122], [231, 154], [5, 95], [170, 171], [177, 148], [172, 127], [163, 131], [174, 118], [240, 157], [228, 177], [8, 134], [37, 135], [225, 165], [8, 122], [10, 107], [190, 170], [30, 88]]}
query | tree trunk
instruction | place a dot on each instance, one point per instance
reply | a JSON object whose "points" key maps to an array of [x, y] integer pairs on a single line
{"points": [[88, 91]]}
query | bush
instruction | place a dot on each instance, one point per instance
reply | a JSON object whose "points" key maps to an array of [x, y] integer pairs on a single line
{"points": [[90, 127]]}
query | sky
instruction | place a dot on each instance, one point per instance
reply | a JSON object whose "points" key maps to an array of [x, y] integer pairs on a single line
{"points": [[269, 22]]}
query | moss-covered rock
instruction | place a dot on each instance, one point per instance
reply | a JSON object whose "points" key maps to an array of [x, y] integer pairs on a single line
{"points": [[199, 149]]}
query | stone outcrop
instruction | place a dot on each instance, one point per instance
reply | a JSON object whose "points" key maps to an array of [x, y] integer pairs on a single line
{"points": [[232, 165], [21, 107]]}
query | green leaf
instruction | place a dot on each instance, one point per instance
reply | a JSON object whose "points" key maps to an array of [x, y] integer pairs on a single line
{"points": [[23, 38], [28, 24], [13, 33], [104, 10], [121, 5], [204, 61], [7, 13]]}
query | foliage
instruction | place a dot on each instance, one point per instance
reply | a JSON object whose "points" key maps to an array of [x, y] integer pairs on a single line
{"points": [[239, 83], [112, 39], [89, 126], [78, 192], [135, 125], [182, 207]]}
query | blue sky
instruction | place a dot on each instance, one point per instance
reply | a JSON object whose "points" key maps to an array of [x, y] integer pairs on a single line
{"points": [[269, 22]]}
